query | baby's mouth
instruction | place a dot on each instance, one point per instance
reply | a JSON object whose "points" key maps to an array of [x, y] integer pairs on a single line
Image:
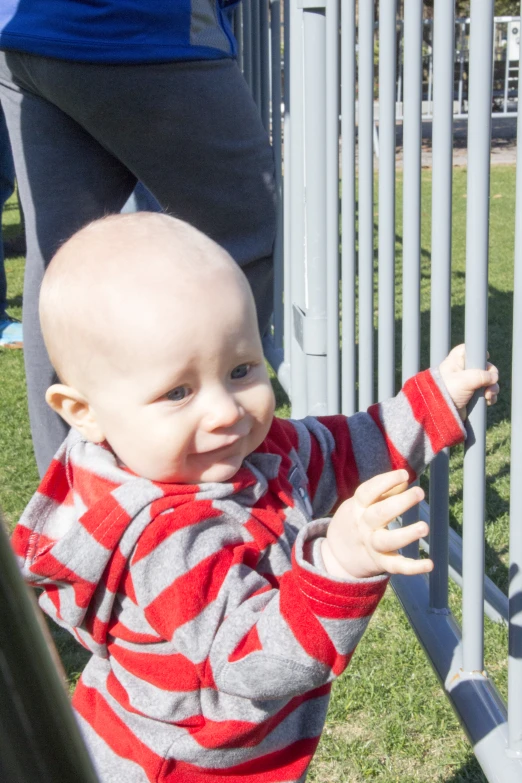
{"points": [[229, 445]]}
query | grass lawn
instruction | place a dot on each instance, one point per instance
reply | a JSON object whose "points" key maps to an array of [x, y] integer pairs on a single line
{"points": [[388, 720]]}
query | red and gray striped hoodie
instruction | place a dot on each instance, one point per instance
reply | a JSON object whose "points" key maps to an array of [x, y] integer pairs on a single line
{"points": [[214, 628]]}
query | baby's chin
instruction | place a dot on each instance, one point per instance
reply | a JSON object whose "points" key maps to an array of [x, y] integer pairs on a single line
{"points": [[212, 474], [220, 472]]}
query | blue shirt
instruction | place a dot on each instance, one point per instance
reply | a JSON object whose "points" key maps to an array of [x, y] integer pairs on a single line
{"points": [[118, 31]]}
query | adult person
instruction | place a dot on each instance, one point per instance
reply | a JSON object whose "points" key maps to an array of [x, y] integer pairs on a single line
{"points": [[10, 329], [99, 96], [140, 200]]}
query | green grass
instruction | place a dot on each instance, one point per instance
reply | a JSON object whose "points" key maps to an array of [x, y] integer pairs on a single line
{"points": [[389, 720]]}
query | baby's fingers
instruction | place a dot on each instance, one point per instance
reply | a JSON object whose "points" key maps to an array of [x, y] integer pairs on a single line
{"points": [[380, 514], [398, 564], [383, 484], [388, 541], [478, 379], [456, 359], [491, 393]]}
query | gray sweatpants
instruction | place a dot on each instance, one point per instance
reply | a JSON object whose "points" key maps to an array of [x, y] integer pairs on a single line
{"points": [[82, 135]]}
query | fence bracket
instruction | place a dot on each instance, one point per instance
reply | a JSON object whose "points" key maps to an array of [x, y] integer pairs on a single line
{"points": [[311, 5], [310, 332]]}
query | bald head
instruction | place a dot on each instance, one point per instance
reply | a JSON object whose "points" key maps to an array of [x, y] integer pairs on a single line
{"points": [[119, 275]]}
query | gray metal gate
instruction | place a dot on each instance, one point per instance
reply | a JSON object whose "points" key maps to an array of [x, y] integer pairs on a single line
{"points": [[326, 367]]}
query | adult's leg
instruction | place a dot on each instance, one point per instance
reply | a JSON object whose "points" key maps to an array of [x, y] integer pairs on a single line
{"points": [[141, 200], [65, 179], [192, 134], [6, 189]]}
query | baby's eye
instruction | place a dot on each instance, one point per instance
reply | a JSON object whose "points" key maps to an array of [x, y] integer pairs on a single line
{"points": [[241, 371], [178, 394]]}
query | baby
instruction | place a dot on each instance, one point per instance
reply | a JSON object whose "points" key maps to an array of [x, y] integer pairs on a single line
{"points": [[181, 532]]}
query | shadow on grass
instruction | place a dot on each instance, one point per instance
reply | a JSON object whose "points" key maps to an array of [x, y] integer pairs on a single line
{"points": [[14, 301], [470, 772]]}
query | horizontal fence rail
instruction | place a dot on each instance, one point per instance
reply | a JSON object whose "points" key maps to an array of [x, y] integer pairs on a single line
{"points": [[321, 89]]}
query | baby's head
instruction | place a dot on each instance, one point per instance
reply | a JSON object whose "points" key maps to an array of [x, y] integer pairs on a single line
{"points": [[152, 329]]}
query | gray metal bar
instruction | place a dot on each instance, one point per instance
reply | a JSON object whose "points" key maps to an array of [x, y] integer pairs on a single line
{"points": [[295, 120], [473, 696], [256, 53], [411, 239], [495, 601], [515, 526], [365, 200], [387, 73], [315, 205], [332, 205], [287, 256], [277, 144], [412, 141], [264, 64], [440, 333], [247, 43], [477, 232], [348, 258], [506, 78], [39, 737]]}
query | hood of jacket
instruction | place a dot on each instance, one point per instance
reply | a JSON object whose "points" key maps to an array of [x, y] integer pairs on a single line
{"points": [[78, 532]]}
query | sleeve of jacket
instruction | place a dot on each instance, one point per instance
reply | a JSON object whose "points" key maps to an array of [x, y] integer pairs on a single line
{"points": [[338, 453], [231, 627]]}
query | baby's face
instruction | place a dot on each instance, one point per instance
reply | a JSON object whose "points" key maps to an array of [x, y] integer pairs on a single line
{"points": [[193, 398]]}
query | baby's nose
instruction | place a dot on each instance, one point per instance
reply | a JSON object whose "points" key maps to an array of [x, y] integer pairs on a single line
{"points": [[224, 411]]}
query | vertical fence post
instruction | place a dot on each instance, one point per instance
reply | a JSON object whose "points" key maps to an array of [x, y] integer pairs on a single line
{"points": [[365, 202], [348, 259], [275, 70], [412, 141], [314, 321], [332, 206], [440, 335], [287, 204], [264, 69], [247, 43], [387, 76], [411, 237], [477, 238], [256, 52], [294, 111], [515, 503]]}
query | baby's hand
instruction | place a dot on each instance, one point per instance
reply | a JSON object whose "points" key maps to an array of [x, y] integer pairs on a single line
{"points": [[461, 383], [357, 542]]}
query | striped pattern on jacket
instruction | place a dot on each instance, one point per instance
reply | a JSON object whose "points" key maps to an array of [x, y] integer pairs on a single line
{"points": [[215, 631]]}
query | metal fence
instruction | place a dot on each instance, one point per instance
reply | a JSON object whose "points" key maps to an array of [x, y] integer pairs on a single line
{"points": [[323, 354], [505, 55]]}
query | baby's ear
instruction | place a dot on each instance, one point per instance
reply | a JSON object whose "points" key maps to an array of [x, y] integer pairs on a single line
{"points": [[75, 409]]}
